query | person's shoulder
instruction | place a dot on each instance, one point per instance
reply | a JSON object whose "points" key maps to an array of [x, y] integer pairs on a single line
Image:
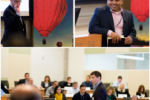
{"points": [[7, 9], [101, 8], [127, 11]]}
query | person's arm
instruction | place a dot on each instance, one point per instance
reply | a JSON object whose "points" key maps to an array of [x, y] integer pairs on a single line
{"points": [[95, 23], [88, 98], [128, 93], [48, 92], [11, 19]]}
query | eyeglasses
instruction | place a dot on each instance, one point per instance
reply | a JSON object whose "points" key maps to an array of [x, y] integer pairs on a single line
{"points": [[17, 1]]}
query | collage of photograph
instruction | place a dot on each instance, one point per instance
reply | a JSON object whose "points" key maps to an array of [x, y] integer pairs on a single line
{"points": [[75, 50]]}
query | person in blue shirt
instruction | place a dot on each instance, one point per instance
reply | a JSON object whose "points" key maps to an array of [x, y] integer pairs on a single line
{"points": [[2, 92], [88, 83]]}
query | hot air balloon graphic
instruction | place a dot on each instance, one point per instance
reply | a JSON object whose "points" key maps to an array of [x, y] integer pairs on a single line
{"points": [[59, 44], [47, 15], [140, 8]]}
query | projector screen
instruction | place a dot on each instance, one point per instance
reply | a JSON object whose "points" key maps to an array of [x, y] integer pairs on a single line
{"points": [[24, 7]]}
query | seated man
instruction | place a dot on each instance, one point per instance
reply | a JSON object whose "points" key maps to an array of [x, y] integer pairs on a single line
{"points": [[25, 92], [88, 83], [24, 81], [50, 90], [30, 81], [74, 89], [82, 95], [113, 21], [116, 83]]}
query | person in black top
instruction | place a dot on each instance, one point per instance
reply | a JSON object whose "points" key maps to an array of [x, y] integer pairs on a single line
{"points": [[121, 90], [24, 81], [4, 89], [82, 95], [68, 83], [15, 28], [110, 93], [141, 90], [47, 82]]}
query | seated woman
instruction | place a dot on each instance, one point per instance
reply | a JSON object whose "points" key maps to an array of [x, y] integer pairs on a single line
{"points": [[57, 94], [141, 90], [121, 90], [47, 82], [68, 83], [110, 93]]}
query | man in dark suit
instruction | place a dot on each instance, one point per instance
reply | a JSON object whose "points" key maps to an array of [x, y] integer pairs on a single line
{"points": [[15, 28], [24, 81], [82, 95], [100, 90], [113, 21]]}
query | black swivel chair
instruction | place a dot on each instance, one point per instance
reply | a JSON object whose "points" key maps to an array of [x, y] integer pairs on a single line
{"points": [[147, 91], [5, 83], [16, 83], [61, 84], [107, 84]]}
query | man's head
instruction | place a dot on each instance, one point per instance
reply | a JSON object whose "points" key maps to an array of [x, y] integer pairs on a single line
{"points": [[30, 81], [25, 92], [134, 97], [82, 89], [55, 83], [26, 76], [75, 85], [95, 77], [15, 2], [68, 79], [114, 5], [88, 78], [119, 79]]}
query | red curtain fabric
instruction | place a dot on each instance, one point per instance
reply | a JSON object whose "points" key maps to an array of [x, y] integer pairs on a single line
{"points": [[140, 8], [48, 14]]}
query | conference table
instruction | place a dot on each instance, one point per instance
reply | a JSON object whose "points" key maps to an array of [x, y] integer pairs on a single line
{"points": [[43, 91], [68, 98]]}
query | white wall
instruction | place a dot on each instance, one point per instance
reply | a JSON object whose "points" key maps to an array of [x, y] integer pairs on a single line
{"points": [[4, 62], [49, 61], [76, 64]]}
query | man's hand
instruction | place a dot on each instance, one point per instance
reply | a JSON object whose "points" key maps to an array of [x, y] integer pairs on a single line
{"points": [[115, 37], [128, 40], [17, 8]]}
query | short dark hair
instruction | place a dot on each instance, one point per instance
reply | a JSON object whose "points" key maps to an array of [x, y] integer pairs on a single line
{"points": [[55, 90], [75, 83], [97, 74], [26, 74], [68, 78], [119, 77], [89, 76], [82, 85], [54, 82]]}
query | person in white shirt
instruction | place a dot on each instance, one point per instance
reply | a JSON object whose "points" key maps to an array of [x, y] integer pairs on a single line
{"points": [[116, 83], [74, 89]]}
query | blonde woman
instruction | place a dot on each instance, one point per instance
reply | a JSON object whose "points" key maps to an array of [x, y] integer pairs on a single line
{"points": [[121, 90], [110, 93]]}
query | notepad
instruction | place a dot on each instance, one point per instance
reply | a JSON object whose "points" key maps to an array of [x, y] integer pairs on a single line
{"points": [[88, 88], [119, 44], [122, 95]]}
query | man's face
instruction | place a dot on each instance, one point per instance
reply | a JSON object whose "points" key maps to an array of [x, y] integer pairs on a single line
{"points": [[30, 81], [82, 90], [55, 84], [87, 78], [95, 79], [75, 86], [26, 76], [114, 5], [16, 2], [69, 80], [119, 80]]}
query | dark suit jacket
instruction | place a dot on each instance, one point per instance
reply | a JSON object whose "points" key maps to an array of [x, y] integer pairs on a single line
{"points": [[140, 94], [21, 81], [126, 92], [43, 84], [53, 96], [4, 89], [14, 28], [102, 22], [100, 92], [77, 96]]}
